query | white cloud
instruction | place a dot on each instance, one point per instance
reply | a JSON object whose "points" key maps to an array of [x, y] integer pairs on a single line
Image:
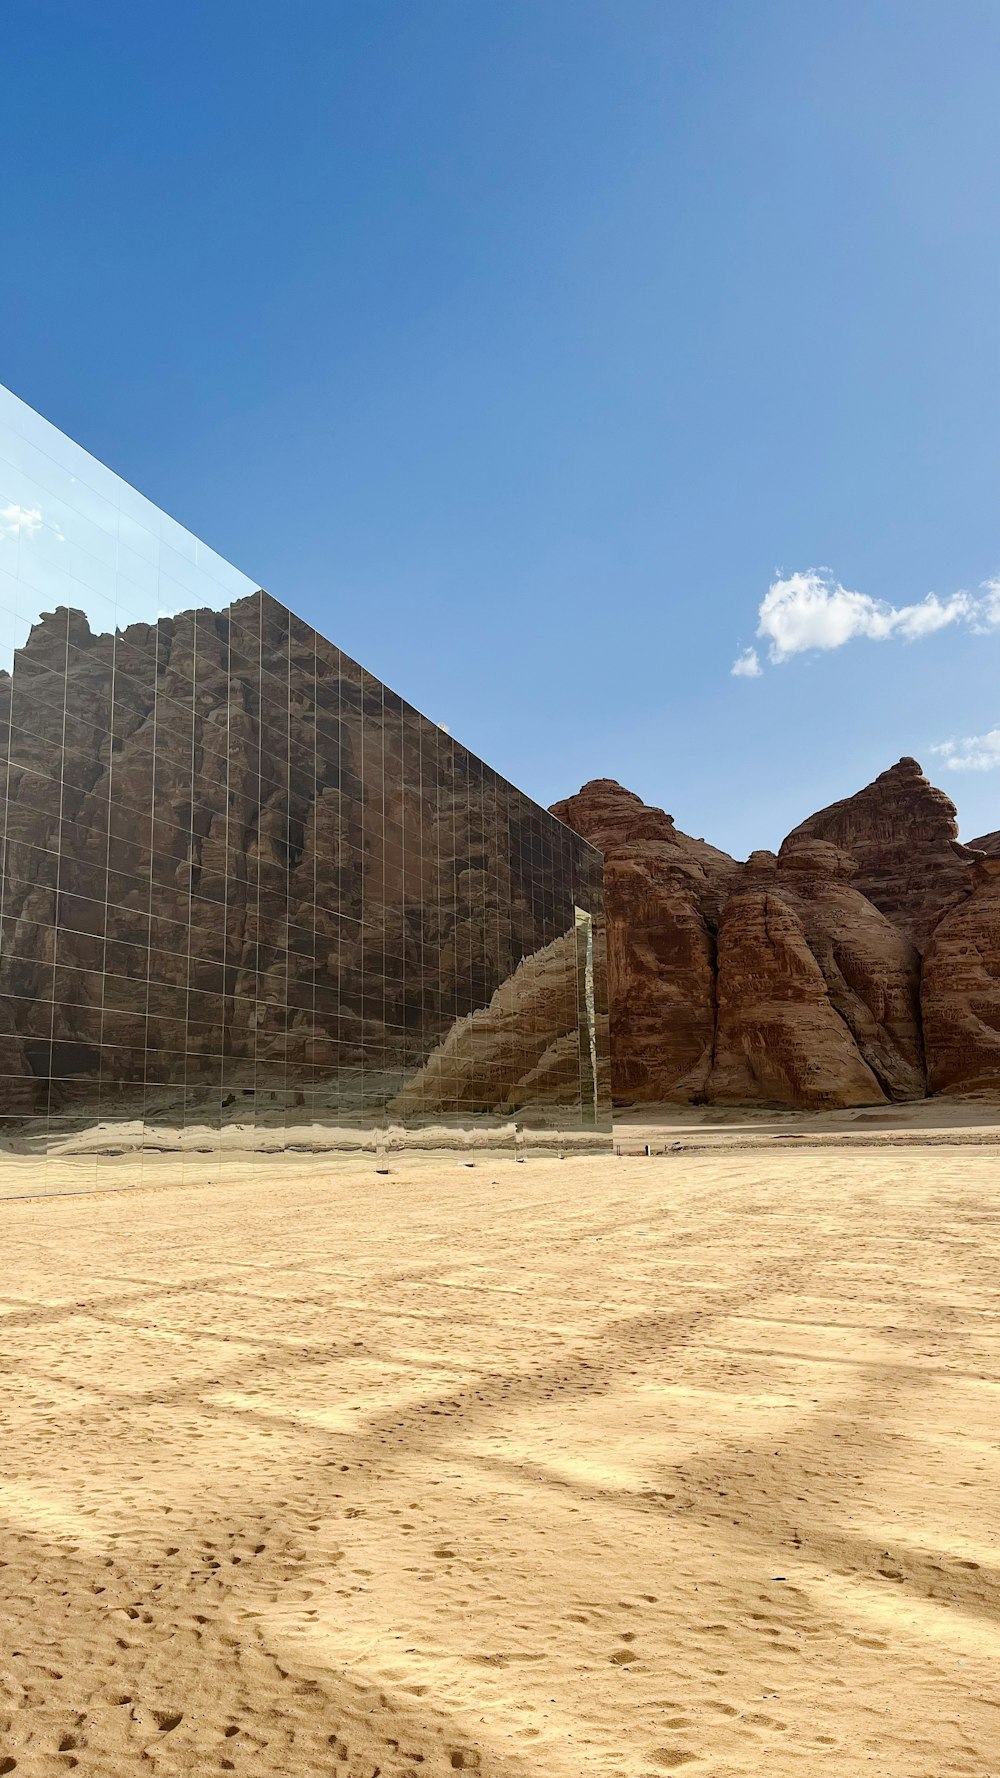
{"points": [[988, 608], [812, 610], [13, 519], [747, 665], [975, 753], [914, 621]]}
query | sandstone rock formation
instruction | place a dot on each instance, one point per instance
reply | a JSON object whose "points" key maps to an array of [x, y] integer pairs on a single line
{"points": [[961, 989], [871, 968], [818, 993], [903, 834], [796, 979], [663, 894], [988, 843], [779, 1039]]}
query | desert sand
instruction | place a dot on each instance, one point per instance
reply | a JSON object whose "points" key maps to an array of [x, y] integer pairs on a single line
{"points": [[574, 1469]]}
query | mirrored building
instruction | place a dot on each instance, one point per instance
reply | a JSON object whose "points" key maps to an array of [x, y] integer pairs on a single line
{"points": [[252, 900]]}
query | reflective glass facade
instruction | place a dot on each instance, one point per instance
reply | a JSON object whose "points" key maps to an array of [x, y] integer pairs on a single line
{"points": [[251, 898]]}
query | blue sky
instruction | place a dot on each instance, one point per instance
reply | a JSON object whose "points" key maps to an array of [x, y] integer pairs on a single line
{"points": [[523, 346]]}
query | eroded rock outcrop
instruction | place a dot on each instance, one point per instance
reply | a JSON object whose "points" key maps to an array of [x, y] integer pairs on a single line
{"points": [[663, 896], [818, 992], [903, 835], [988, 843], [961, 990], [791, 980], [871, 968], [779, 1038]]}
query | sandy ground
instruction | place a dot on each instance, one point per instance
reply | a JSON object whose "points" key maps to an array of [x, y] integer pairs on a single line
{"points": [[602, 1467], [942, 1121]]}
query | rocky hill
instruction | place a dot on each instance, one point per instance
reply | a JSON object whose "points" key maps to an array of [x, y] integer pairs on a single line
{"points": [[859, 964], [664, 893], [903, 836]]}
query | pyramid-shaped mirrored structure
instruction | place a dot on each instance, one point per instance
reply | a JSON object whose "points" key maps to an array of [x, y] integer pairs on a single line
{"points": [[252, 901]]}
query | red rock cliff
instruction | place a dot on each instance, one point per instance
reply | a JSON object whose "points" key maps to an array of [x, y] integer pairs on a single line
{"points": [[961, 990], [663, 895], [903, 835], [818, 993], [797, 979]]}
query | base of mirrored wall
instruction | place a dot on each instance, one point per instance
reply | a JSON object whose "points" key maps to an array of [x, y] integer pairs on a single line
{"points": [[128, 1153]]}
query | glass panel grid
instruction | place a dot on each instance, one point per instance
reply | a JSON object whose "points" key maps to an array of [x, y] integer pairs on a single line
{"points": [[247, 891]]}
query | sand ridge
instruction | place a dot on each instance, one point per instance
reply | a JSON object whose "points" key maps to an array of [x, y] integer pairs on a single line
{"points": [[593, 1467]]}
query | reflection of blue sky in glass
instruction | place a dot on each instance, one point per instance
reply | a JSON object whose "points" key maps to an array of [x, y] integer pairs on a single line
{"points": [[73, 533]]}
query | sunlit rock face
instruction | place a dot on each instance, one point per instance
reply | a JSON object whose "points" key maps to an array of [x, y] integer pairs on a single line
{"points": [[779, 1038], [663, 893], [796, 979], [818, 993], [903, 836], [961, 989]]}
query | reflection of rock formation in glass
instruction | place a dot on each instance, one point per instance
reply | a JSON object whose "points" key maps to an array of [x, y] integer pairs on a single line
{"points": [[245, 883], [244, 896], [521, 1053]]}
